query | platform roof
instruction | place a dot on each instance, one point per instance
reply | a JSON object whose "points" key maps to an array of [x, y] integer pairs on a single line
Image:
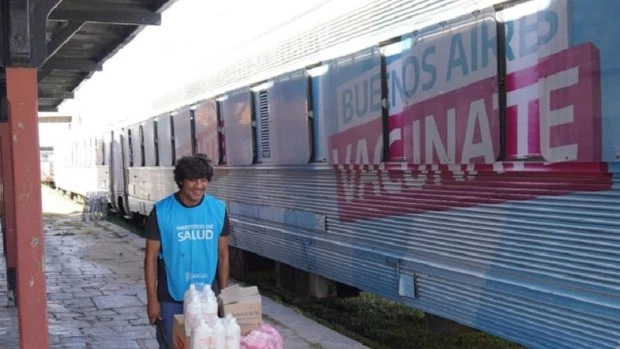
{"points": [[82, 35]]}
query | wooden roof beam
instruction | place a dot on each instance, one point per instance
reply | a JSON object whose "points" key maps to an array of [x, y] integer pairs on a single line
{"points": [[108, 15], [54, 119], [62, 37], [55, 95], [82, 65], [48, 108]]}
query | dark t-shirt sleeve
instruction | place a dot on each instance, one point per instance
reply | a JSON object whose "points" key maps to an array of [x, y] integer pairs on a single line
{"points": [[152, 228], [225, 226]]}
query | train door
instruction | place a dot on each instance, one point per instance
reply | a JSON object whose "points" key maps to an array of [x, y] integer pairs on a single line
{"points": [[125, 163], [116, 172]]}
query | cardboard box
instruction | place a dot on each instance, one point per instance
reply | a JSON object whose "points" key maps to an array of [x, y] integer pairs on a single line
{"points": [[180, 340], [244, 303]]}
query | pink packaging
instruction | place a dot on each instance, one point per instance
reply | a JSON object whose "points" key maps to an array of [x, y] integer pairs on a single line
{"points": [[265, 338]]}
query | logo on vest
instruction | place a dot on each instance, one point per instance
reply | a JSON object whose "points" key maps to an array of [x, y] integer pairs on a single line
{"points": [[189, 276], [195, 232]]}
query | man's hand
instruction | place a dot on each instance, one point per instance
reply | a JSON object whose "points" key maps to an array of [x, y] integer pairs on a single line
{"points": [[153, 309]]}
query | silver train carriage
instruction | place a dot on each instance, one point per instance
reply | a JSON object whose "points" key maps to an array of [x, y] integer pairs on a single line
{"points": [[467, 167]]}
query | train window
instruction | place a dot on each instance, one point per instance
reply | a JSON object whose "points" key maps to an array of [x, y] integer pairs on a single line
{"points": [[125, 148], [310, 116], [148, 132], [254, 126], [156, 141], [101, 150], [182, 133], [443, 90], [392, 53], [164, 140], [136, 146], [351, 93], [562, 81], [141, 139], [107, 143], [118, 159], [172, 138], [236, 110], [206, 126], [130, 147], [221, 133], [97, 151], [316, 114], [284, 125], [192, 120]]}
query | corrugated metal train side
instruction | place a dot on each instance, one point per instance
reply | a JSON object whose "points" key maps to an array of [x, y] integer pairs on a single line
{"points": [[468, 169], [540, 271], [507, 251]]}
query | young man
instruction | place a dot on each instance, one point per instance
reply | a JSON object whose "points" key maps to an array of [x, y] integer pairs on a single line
{"points": [[186, 242]]}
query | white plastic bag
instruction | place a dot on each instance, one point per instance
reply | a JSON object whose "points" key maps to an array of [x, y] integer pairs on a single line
{"points": [[266, 337]]}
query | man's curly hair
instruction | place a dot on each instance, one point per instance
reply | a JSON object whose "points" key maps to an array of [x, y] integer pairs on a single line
{"points": [[193, 167]]}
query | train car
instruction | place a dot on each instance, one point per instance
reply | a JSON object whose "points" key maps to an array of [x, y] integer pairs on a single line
{"points": [[466, 167], [47, 165], [80, 164]]}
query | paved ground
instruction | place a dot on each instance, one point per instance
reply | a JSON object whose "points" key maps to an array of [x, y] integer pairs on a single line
{"points": [[96, 295]]}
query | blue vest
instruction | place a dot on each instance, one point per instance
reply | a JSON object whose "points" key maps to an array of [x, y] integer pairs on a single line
{"points": [[189, 239]]}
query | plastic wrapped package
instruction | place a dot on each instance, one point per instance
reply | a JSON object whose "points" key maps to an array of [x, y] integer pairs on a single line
{"points": [[265, 338]]}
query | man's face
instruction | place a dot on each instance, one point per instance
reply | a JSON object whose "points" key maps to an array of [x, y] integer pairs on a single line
{"points": [[192, 190]]}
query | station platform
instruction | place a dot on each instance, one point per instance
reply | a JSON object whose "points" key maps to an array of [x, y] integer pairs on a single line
{"points": [[96, 294]]}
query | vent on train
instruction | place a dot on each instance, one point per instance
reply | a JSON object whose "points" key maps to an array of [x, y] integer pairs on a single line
{"points": [[263, 113]]}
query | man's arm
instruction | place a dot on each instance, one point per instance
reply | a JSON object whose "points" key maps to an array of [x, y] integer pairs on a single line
{"points": [[223, 265], [150, 269], [153, 246], [223, 260]]}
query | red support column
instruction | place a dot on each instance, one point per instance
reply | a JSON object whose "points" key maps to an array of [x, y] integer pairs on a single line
{"points": [[24, 130], [8, 209]]}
